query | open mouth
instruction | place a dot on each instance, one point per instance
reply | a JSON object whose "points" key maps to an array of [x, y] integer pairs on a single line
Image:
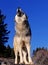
{"points": [[19, 12]]}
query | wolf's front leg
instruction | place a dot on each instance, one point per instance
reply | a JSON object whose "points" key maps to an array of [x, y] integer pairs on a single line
{"points": [[16, 57], [15, 49], [20, 54], [28, 50], [24, 57]]}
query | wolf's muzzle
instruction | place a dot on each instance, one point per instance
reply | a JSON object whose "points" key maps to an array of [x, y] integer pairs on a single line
{"points": [[19, 12]]}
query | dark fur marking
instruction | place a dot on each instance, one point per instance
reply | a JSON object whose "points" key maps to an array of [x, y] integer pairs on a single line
{"points": [[27, 26]]}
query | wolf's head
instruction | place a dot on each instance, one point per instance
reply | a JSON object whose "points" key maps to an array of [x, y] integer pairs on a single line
{"points": [[20, 16]]}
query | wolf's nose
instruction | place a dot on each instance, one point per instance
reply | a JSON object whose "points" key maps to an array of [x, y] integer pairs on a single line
{"points": [[19, 10]]}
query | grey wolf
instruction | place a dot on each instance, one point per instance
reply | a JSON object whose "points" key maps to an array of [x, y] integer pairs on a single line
{"points": [[23, 34]]}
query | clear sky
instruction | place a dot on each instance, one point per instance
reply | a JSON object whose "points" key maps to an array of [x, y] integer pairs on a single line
{"points": [[37, 12]]}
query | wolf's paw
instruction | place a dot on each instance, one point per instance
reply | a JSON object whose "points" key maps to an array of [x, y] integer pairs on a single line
{"points": [[31, 63]]}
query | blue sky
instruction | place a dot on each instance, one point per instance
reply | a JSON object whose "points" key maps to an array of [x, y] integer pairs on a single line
{"points": [[37, 12]]}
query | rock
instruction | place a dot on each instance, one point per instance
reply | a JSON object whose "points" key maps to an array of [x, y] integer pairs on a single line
{"points": [[6, 61]]}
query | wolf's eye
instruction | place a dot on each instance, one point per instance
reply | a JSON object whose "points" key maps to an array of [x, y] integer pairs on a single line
{"points": [[22, 14]]}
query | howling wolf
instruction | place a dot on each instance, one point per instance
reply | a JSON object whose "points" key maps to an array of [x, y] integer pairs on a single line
{"points": [[22, 37]]}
